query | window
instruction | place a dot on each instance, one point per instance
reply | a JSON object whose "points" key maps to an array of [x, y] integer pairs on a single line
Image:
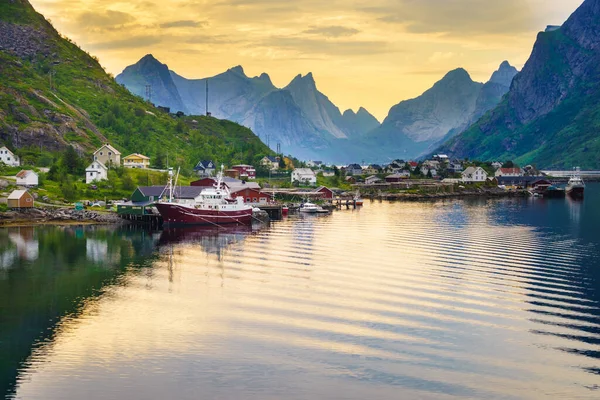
{"points": [[254, 199], [28, 200], [248, 199], [101, 153]]}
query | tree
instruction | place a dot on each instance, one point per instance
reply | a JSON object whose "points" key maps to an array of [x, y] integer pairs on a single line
{"points": [[71, 161], [159, 160], [127, 182], [508, 164], [429, 174], [281, 162]]}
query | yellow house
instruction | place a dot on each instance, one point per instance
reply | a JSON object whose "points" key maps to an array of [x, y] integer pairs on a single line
{"points": [[136, 160]]}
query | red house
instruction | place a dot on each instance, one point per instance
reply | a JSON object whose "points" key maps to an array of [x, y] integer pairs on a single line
{"points": [[327, 193], [252, 196], [245, 171]]}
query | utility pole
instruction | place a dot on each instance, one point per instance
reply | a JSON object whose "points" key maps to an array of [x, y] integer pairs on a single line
{"points": [[268, 141]]}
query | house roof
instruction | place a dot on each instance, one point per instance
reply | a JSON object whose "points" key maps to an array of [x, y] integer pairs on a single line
{"points": [[413, 163], [109, 147], [7, 149], [271, 158], [96, 162], [518, 179], [16, 194], [23, 173], [400, 175], [354, 166], [138, 155], [321, 188], [375, 166], [511, 170], [204, 164], [472, 170]]}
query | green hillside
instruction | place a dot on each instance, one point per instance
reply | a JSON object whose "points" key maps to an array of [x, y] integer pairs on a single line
{"points": [[53, 94]]}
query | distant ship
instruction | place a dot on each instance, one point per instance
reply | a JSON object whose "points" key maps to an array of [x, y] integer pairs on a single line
{"points": [[575, 186], [214, 206]]}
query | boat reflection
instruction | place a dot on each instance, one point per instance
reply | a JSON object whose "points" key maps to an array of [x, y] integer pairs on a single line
{"points": [[212, 239]]}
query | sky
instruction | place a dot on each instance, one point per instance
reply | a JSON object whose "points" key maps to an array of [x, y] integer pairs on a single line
{"points": [[370, 53]]}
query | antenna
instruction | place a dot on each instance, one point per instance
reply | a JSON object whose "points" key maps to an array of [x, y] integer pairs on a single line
{"points": [[149, 93], [207, 113], [278, 148]]}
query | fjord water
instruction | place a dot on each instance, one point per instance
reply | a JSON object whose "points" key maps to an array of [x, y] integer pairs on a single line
{"points": [[456, 299]]}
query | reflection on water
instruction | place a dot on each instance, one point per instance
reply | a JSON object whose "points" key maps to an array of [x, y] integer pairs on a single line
{"points": [[480, 299]]}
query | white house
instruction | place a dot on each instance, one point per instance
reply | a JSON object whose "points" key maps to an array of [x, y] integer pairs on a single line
{"points": [[474, 174], [509, 172], [8, 157], [305, 176], [372, 179], [96, 172], [27, 178], [270, 162], [496, 165], [108, 155]]}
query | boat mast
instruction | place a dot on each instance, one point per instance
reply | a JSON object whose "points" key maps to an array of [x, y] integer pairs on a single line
{"points": [[170, 185]]}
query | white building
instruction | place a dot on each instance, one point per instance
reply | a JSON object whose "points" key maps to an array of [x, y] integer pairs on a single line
{"points": [[474, 174], [96, 172], [8, 157], [27, 178], [305, 176]]}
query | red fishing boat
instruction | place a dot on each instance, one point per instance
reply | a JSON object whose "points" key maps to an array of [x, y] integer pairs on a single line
{"points": [[213, 206]]}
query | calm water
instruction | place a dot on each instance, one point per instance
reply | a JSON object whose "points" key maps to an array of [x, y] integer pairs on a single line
{"points": [[469, 299]]}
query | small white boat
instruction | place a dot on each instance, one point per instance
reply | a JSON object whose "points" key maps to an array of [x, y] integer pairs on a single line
{"points": [[358, 201], [309, 208], [575, 186]]}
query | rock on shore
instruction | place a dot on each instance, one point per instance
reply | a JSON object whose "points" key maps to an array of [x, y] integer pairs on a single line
{"points": [[39, 215]]}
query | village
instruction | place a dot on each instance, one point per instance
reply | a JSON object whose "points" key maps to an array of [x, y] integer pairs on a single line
{"points": [[275, 183]]}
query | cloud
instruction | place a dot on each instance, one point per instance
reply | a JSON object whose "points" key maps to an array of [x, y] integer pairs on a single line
{"points": [[328, 47], [456, 16], [332, 31], [129, 43], [106, 19], [183, 24]]}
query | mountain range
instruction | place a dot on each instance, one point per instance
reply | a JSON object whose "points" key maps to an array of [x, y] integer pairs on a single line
{"points": [[308, 125], [551, 115]]}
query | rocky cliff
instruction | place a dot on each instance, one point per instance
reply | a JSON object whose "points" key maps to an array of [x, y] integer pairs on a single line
{"points": [[550, 114]]}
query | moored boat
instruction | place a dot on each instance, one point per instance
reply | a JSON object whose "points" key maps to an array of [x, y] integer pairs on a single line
{"points": [[575, 187], [214, 206]]}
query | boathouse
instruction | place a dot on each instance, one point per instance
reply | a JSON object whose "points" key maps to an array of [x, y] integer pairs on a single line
{"points": [[20, 199], [327, 193], [251, 196]]}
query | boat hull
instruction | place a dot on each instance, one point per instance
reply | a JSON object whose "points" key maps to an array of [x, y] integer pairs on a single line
{"points": [[175, 214], [576, 192]]}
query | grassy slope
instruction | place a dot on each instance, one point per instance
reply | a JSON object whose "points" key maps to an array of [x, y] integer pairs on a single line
{"points": [[84, 90]]}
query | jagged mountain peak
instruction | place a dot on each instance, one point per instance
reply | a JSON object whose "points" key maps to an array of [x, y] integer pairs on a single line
{"points": [[458, 74], [238, 69], [307, 79], [504, 75]]}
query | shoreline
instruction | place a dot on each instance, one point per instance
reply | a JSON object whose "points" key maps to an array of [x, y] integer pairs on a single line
{"points": [[59, 216]]}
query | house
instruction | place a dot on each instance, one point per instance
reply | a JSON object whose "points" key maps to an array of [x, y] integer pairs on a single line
{"points": [[455, 167], [350, 179], [245, 171], [426, 170], [8, 157], [441, 158], [496, 165], [20, 199], [27, 178], [521, 181], [96, 171], [325, 191], [372, 180], [474, 174], [431, 164], [373, 169], [205, 168], [270, 162], [136, 160], [412, 165], [232, 173], [509, 172], [108, 155], [395, 167], [398, 177], [328, 173], [354, 169], [305, 176], [250, 195]]}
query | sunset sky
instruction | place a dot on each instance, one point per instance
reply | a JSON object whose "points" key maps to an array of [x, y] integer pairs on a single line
{"points": [[370, 53]]}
